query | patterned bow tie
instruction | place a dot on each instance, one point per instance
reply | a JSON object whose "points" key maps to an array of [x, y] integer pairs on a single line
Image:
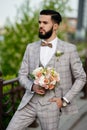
{"points": [[46, 44]]}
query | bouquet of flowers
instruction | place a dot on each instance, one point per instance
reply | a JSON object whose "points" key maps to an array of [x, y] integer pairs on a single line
{"points": [[45, 77]]}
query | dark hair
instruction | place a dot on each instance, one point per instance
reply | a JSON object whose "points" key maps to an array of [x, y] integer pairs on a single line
{"points": [[55, 16]]}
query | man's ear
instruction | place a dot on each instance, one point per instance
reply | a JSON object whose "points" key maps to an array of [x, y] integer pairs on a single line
{"points": [[55, 26]]}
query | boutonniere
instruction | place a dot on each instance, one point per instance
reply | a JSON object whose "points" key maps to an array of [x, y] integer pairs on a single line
{"points": [[58, 54]]}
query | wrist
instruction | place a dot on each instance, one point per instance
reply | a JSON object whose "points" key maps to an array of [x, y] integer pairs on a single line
{"points": [[64, 103], [32, 89]]}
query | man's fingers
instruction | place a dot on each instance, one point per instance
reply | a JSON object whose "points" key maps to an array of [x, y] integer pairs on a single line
{"points": [[58, 101], [39, 91], [53, 99]]}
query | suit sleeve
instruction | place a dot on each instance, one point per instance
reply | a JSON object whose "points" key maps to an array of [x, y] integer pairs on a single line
{"points": [[24, 71], [78, 73]]}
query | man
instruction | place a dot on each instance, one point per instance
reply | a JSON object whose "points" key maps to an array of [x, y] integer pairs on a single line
{"points": [[62, 99]]}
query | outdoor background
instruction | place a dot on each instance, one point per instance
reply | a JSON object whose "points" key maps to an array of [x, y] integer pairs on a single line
{"points": [[19, 27]]}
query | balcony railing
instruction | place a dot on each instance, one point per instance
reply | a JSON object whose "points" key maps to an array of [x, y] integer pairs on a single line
{"points": [[10, 95]]}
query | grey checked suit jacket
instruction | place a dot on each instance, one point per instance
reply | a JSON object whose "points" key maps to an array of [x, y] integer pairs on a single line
{"points": [[68, 65]]}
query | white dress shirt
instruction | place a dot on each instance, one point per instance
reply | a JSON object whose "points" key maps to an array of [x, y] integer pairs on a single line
{"points": [[46, 52]]}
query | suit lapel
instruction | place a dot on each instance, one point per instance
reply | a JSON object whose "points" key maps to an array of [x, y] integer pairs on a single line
{"points": [[37, 55], [59, 46]]}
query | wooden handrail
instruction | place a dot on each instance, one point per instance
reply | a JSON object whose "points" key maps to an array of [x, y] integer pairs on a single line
{"points": [[9, 97], [10, 81]]}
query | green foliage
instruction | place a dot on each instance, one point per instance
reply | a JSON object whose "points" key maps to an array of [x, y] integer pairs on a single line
{"points": [[24, 31], [58, 5], [82, 48], [17, 37]]}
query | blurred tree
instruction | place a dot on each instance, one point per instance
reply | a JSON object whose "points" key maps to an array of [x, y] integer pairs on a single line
{"points": [[24, 31], [16, 37]]}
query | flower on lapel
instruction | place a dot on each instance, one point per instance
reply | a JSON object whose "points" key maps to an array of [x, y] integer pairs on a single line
{"points": [[58, 54]]}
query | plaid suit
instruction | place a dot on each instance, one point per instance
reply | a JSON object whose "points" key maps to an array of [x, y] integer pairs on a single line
{"points": [[68, 66]]}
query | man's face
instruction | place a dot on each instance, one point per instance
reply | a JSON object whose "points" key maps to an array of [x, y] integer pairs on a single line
{"points": [[45, 26]]}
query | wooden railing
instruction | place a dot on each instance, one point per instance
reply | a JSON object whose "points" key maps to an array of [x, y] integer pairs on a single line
{"points": [[10, 95]]}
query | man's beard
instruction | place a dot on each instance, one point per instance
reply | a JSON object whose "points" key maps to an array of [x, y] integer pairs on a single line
{"points": [[46, 35]]}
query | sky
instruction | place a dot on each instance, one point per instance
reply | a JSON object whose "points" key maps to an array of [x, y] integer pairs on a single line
{"points": [[8, 9]]}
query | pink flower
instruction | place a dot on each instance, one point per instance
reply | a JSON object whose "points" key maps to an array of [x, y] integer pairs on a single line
{"points": [[46, 77]]}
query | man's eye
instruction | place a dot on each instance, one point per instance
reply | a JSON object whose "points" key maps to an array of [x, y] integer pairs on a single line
{"points": [[39, 22], [45, 22]]}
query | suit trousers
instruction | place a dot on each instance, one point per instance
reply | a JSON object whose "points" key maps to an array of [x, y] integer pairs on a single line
{"points": [[48, 116]]}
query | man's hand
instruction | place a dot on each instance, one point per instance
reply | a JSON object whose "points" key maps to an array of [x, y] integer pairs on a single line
{"points": [[37, 89], [58, 101]]}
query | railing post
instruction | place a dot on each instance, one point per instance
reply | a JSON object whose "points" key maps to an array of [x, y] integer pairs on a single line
{"points": [[1, 96]]}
